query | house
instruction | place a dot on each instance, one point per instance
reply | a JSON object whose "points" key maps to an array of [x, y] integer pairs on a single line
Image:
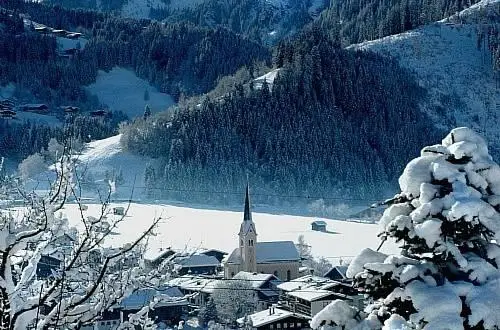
{"points": [[119, 210], [39, 108], [337, 273], [98, 113], [265, 286], [197, 264], [43, 29], [279, 258], [318, 225], [7, 113], [47, 266], [218, 254], [73, 35], [309, 294], [273, 319], [70, 109], [170, 309], [197, 289]]}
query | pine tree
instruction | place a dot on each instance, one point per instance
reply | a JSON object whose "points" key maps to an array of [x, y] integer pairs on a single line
{"points": [[447, 218], [147, 112]]}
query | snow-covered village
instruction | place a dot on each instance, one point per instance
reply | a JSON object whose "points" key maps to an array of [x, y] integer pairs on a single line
{"points": [[249, 164]]}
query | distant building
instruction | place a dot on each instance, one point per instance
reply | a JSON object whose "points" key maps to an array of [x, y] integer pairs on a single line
{"points": [[275, 319], [308, 295], [279, 258], [318, 225], [171, 308], [198, 264], [337, 273], [40, 108], [265, 286], [98, 113]]}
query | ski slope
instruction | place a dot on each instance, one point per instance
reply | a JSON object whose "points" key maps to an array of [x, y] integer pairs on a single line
{"points": [[456, 73], [191, 228], [121, 90]]}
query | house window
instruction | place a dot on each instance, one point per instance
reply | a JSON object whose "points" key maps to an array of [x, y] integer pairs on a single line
{"points": [[278, 326], [271, 326], [285, 325], [250, 242], [292, 325], [232, 274], [299, 325], [288, 275]]}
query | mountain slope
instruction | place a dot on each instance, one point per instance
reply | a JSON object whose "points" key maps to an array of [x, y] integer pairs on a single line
{"points": [[454, 66]]}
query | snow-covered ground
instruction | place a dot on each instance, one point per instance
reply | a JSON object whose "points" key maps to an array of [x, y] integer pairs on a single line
{"points": [[103, 158], [185, 227], [121, 90], [456, 73], [268, 78]]}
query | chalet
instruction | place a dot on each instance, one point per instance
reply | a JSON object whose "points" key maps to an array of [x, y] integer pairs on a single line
{"points": [[168, 311], [73, 35], [198, 289], [197, 264], [7, 103], [39, 108], [318, 225], [218, 254], [59, 33], [70, 109], [119, 210], [337, 273], [275, 319], [43, 29], [265, 286], [309, 294], [98, 113], [7, 114]]}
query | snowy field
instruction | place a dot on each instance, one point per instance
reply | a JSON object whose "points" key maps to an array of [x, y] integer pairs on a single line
{"points": [[192, 228], [121, 90], [448, 64]]}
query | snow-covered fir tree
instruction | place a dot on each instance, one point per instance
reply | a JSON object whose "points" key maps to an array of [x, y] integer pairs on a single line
{"points": [[448, 222]]}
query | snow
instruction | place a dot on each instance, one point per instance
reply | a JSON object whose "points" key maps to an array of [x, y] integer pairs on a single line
{"points": [[257, 279], [366, 256], [262, 318], [310, 295], [107, 156], [268, 77], [121, 90], [185, 227], [457, 75]]}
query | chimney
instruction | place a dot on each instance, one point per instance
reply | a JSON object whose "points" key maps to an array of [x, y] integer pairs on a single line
{"points": [[270, 310]]}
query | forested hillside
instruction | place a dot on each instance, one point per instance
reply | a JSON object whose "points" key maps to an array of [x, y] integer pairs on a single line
{"points": [[335, 122], [178, 58], [358, 21]]}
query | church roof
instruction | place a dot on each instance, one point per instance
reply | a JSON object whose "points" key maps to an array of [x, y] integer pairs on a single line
{"points": [[247, 223], [269, 252]]}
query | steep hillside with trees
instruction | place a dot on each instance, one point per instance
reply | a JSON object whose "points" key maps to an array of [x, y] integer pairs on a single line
{"points": [[336, 122]]}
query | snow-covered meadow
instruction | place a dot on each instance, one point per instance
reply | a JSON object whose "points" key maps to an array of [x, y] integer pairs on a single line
{"points": [[121, 90], [190, 228]]}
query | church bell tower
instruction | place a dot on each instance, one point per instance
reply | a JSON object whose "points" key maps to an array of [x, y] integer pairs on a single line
{"points": [[248, 238]]}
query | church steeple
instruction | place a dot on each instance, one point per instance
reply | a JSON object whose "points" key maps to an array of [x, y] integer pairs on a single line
{"points": [[248, 238], [247, 216]]}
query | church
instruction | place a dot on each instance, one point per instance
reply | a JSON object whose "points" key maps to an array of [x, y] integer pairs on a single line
{"points": [[280, 258]]}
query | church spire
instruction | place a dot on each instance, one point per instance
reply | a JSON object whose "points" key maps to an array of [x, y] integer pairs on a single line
{"points": [[247, 216]]}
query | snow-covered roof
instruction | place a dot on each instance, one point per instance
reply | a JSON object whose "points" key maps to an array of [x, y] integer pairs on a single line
{"points": [[270, 252], [194, 283], [310, 294], [319, 223], [307, 281], [170, 296], [199, 260], [257, 279], [264, 317]]}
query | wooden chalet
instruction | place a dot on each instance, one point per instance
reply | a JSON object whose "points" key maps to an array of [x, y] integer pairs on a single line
{"points": [[38, 108], [275, 319], [7, 114], [98, 113]]}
